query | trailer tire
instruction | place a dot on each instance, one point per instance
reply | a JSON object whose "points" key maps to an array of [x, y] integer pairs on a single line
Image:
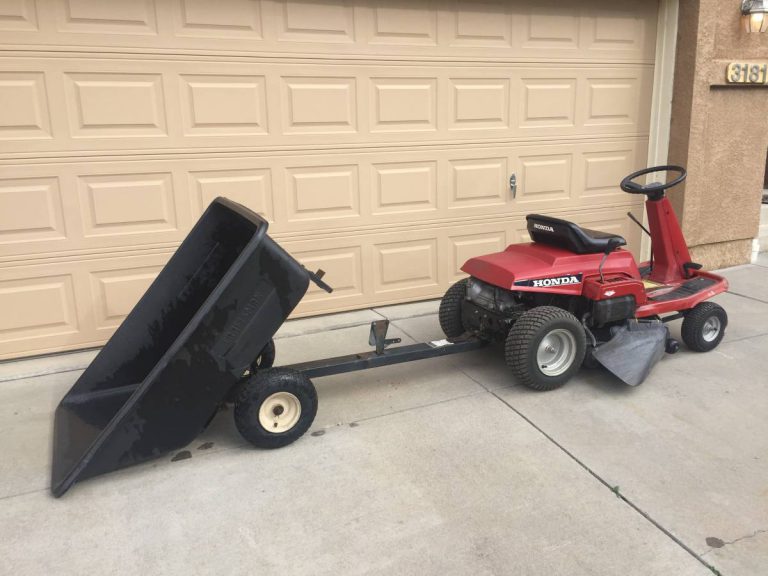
{"points": [[704, 326], [275, 407], [266, 357], [450, 309], [525, 347]]}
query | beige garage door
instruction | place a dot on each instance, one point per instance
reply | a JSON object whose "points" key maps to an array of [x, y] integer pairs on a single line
{"points": [[377, 137]]}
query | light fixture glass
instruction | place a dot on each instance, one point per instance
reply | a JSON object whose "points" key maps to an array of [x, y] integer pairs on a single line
{"points": [[754, 15]]}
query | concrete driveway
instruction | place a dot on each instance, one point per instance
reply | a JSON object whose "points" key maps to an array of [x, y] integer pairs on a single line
{"points": [[440, 467]]}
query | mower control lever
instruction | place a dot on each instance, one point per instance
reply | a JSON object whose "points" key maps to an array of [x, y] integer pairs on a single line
{"points": [[655, 190], [613, 243]]}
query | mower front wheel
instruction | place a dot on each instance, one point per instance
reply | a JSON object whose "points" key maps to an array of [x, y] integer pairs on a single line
{"points": [[545, 347], [274, 407], [704, 326], [450, 309]]}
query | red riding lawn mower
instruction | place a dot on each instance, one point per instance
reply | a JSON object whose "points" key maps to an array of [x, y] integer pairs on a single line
{"points": [[573, 296]]}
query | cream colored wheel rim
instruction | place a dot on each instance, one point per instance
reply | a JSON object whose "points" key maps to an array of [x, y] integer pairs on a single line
{"points": [[279, 412]]}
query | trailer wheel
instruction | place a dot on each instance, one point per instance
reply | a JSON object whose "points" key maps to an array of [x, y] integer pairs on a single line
{"points": [[450, 309], [266, 357], [704, 326], [545, 347], [275, 407]]}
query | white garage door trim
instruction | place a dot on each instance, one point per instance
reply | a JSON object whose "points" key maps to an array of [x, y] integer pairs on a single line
{"points": [[663, 85]]}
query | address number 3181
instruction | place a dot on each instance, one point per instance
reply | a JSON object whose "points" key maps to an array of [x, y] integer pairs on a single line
{"points": [[746, 73]]}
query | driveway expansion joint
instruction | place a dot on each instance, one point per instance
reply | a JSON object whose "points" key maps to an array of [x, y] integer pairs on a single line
{"points": [[613, 488], [747, 297]]}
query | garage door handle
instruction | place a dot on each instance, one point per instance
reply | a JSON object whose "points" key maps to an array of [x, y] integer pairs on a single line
{"points": [[513, 185]]}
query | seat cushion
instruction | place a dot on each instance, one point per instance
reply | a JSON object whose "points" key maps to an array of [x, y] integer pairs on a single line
{"points": [[570, 236]]}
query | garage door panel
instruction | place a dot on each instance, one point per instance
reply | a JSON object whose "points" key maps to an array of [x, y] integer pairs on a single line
{"points": [[240, 20], [343, 267], [116, 291], [68, 303], [159, 106], [549, 26], [405, 264], [545, 178], [547, 102], [464, 246], [401, 23], [314, 22], [515, 29], [31, 210], [404, 188], [39, 305], [19, 15], [600, 172], [321, 193], [223, 105], [479, 103], [251, 187], [622, 27], [92, 16], [115, 105], [127, 204], [403, 104], [43, 305], [24, 114]]}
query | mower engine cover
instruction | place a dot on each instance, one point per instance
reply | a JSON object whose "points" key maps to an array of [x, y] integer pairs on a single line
{"points": [[543, 268]]}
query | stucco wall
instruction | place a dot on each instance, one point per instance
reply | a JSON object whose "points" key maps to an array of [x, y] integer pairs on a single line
{"points": [[719, 132]]}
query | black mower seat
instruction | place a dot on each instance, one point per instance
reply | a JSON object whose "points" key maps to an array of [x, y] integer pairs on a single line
{"points": [[570, 236]]}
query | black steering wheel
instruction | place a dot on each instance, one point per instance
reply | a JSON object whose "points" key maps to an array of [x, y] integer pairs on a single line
{"points": [[655, 190]]}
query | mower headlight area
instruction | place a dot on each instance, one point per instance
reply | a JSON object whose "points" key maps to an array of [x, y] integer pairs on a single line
{"points": [[491, 297]]}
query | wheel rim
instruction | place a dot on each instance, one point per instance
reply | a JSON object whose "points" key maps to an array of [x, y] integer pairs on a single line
{"points": [[711, 329], [556, 352], [279, 412]]}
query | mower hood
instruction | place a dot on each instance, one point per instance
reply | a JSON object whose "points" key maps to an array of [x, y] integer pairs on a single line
{"points": [[538, 268]]}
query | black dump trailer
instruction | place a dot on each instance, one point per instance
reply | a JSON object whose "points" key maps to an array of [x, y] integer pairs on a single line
{"points": [[163, 374]]}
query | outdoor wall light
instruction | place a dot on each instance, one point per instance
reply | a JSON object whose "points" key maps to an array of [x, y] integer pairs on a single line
{"points": [[754, 15]]}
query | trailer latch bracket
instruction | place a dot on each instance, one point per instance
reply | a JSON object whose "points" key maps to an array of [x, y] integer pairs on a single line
{"points": [[378, 336], [317, 278]]}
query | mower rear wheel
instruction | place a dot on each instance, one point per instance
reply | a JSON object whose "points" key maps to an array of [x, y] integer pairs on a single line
{"points": [[450, 309], [704, 326], [545, 347], [274, 407]]}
